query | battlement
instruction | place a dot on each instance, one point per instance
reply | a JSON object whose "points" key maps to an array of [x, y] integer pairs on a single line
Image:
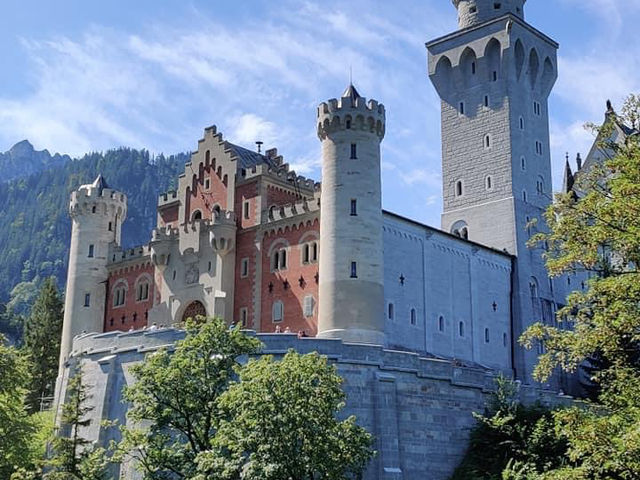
{"points": [[351, 113], [292, 210], [88, 200], [119, 255], [474, 12], [167, 198], [279, 170]]}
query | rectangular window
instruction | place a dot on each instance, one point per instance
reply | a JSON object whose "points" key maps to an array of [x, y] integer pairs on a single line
{"points": [[461, 108], [244, 316], [207, 184], [353, 151], [486, 100], [354, 207], [91, 249], [244, 268], [245, 210], [87, 299], [110, 227], [495, 76], [309, 303], [354, 270]]}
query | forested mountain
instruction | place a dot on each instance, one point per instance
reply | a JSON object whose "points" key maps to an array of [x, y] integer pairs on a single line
{"points": [[35, 227], [23, 160]]}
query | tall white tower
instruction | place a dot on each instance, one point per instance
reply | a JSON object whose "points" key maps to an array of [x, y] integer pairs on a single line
{"points": [[494, 76], [351, 268], [97, 213]]}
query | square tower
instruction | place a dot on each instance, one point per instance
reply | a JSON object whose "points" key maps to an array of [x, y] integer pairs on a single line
{"points": [[494, 76]]}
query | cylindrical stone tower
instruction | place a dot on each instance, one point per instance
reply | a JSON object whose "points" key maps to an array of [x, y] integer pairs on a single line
{"points": [[351, 270], [474, 12], [97, 213]]}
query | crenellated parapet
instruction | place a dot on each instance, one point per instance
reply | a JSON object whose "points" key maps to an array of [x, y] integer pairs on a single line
{"points": [[119, 255], [292, 210], [351, 113], [89, 199], [217, 233], [167, 198]]}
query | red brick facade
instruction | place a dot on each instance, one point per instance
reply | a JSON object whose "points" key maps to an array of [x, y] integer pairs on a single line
{"points": [[290, 285], [131, 310]]}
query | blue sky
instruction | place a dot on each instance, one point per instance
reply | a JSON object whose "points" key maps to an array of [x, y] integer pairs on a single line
{"points": [[83, 75]]}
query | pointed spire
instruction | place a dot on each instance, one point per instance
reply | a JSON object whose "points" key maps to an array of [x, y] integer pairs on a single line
{"points": [[352, 94], [100, 183], [567, 182]]}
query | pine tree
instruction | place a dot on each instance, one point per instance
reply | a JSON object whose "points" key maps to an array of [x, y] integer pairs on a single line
{"points": [[42, 333], [75, 457]]}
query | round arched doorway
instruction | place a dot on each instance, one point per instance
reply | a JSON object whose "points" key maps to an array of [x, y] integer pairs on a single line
{"points": [[193, 310]]}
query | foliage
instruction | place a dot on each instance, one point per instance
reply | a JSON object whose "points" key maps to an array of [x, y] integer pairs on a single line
{"points": [[511, 435], [178, 395], [42, 334], [18, 430], [35, 229], [281, 424], [597, 229], [74, 457]]}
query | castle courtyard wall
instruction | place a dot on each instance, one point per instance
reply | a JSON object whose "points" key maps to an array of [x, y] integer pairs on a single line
{"points": [[418, 409]]}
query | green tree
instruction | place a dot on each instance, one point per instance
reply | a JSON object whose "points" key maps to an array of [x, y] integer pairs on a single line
{"points": [[281, 424], [598, 229], [511, 436], [74, 457], [42, 334], [18, 429], [177, 393]]}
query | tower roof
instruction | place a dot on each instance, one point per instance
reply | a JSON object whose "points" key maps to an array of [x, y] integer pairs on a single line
{"points": [[567, 182], [351, 93], [100, 183]]}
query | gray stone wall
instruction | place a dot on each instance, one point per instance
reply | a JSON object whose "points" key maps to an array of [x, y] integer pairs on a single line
{"points": [[418, 408]]}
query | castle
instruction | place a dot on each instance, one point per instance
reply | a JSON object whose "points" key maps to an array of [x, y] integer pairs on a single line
{"points": [[418, 319]]}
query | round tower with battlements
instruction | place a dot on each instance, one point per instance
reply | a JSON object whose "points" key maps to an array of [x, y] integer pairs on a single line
{"points": [[474, 12], [351, 295], [97, 213]]}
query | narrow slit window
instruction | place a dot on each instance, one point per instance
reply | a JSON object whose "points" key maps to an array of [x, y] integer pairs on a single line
{"points": [[486, 100], [390, 311], [486, 335], [354, 270], [413, 316], [441, 324], [245, 209], [91, 251], [110, 228], [354, 207], [353, 151], [458, 188], [473, 68], [461, 108], [87, 299], [495, 76]]}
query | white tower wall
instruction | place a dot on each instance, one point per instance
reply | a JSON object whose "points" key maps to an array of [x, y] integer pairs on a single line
{"points": [[351, 308], [97, 213]]}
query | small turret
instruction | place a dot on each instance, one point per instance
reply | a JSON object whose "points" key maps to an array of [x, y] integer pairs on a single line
{"points": [[351, 267], [97, 213], [473, 12]]}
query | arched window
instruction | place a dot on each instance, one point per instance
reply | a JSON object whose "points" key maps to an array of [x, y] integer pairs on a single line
{"points": [[487, 141], [277, 311], [197, 215], [314, 251], [460, 229], [93, 209], [413, 316], [461, 329], [119, 295], [458, 188], [540, 185], [308, 304], [521, 123], [305, 253], [279, 259], [142, 290], [390, 311], [489, 182], [441, 323]]}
